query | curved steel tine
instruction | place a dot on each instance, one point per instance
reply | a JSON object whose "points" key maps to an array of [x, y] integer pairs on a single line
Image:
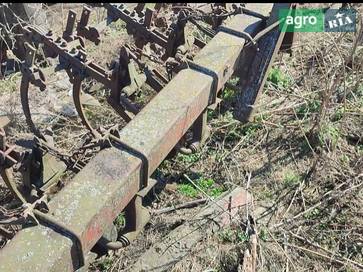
{"points": [[6, 173], [77, 82], [7, 176], [24, 95]]}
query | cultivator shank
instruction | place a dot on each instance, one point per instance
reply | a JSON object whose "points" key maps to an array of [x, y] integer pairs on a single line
{"points": [[116, 176]]}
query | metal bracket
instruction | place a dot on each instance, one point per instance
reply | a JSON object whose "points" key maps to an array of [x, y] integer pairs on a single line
{"points": [[239, 34], [68, 32], [206, 71], [137, 213], [144, 173], [90, 33], [48, 219]]}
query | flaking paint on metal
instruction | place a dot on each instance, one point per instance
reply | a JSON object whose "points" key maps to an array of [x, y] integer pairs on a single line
{"points": [[32, 255], [43, 238], [227, 48], [162, 123], [106, 167]]}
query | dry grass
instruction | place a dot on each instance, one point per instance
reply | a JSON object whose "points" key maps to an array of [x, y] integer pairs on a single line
{"points": [[304, 152]]}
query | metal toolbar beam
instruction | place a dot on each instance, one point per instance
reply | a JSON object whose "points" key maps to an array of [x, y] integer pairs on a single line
{"points": [[101, 190], [125, 15]]}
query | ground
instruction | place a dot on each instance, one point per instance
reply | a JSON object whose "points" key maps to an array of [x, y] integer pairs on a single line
{"points": [[301, 158]]}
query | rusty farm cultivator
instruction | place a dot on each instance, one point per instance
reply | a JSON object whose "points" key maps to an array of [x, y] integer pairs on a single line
{"points": [[112, 167]]}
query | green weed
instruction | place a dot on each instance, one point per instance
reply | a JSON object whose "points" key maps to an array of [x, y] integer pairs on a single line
{"points": [[233, 135], [278, 78], [329, 135], [345, 160], [250, 129], [237, 131], [105, 264], [118, 25], [215, 192], [231, 236], [262, 234], [338, 114], [192, 158], [233, 80], [228, 94], [312, 214], [120, 221], [266, 193], [323, 226], [226, 235], [310, 107], [291, 178], [211, 114], [188, 190], [206, 185], [242, 236]]}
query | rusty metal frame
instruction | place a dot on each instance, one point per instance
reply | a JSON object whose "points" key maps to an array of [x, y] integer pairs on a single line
{"points": [[75, 62], [139, 25], [105, 186], [252, 80]]}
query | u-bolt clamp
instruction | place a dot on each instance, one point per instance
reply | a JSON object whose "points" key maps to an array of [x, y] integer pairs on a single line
{"points": [[239, 34]]}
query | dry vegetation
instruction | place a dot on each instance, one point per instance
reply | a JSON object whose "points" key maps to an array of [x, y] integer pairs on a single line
{"points": [[301, 158]]}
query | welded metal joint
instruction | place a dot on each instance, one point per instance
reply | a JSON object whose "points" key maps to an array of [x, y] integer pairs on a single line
{"points": [[144, 173], [206, 71], [239, 34]]}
